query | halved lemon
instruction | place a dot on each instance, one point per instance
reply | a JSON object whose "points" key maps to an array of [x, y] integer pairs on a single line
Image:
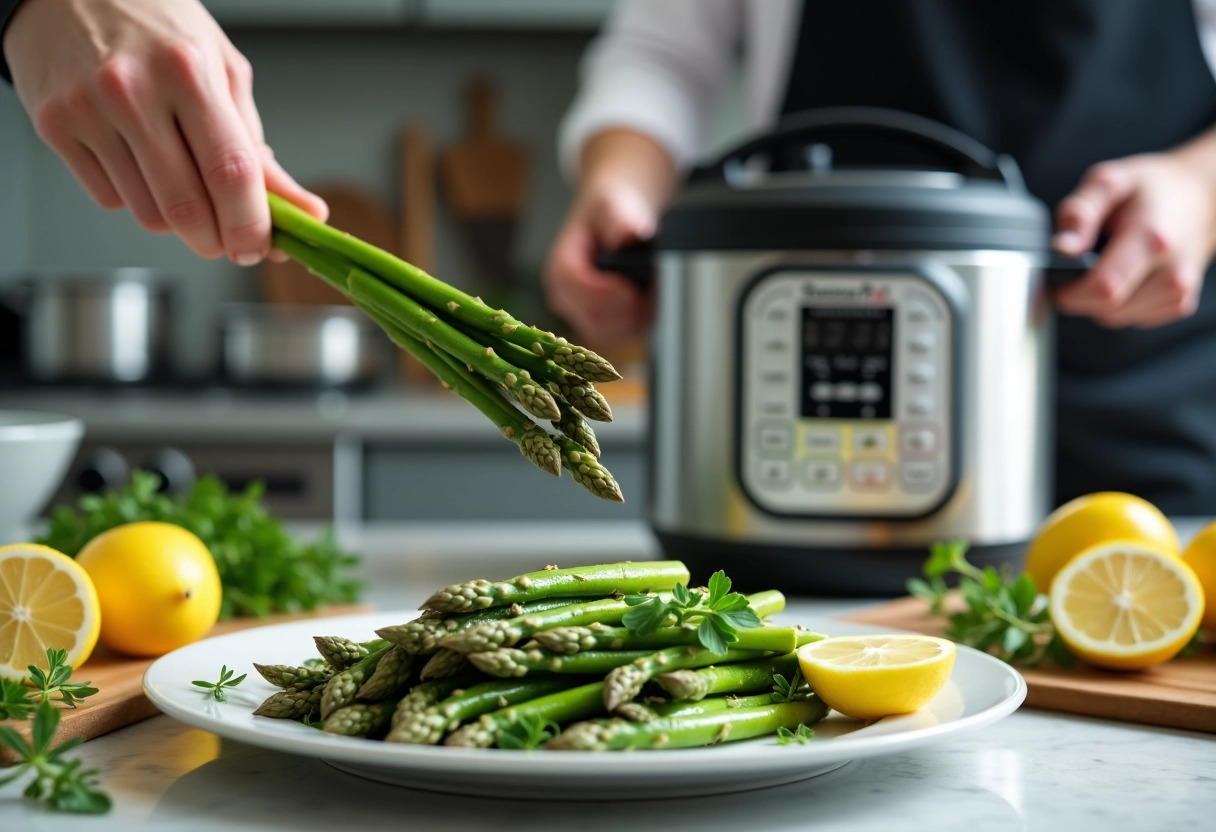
{"points": [[867, 677], [1126, 605], [46, 601]]}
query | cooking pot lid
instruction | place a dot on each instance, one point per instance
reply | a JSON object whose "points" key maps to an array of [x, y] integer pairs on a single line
{"points": [[847, 178]]}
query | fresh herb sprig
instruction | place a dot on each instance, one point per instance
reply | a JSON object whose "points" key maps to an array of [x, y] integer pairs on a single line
{"points": [[786, 737], [15, 702], [718, 612], [218, 688], [790, 690], [64, 784], [56, 680], [527, 733], [1004, 614]]}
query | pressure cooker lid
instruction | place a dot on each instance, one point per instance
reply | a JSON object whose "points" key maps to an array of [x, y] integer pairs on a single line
{"points": [[848, 178]]}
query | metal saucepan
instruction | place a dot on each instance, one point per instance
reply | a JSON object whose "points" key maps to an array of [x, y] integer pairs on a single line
{"points": [[298, 346]]}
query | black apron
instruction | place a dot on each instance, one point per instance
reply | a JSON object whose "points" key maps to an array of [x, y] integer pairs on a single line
{"points": [[1059, 85]]}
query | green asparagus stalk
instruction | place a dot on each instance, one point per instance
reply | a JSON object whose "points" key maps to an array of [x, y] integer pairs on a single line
{"points": [[510, 661], [425, 325], [360, 720], [625, 682], [330, 267], [576, 703], [604, 579], [693, 685], [689, 731], [583, 397], [507, 632], [341, 690], [426, 694], [437, 294], [340, 653], [574, 426], [392, 673], [714, 704], [293, 678], [292, 704], [429, 726], [422, 635], [587, 471], [444, 663]]}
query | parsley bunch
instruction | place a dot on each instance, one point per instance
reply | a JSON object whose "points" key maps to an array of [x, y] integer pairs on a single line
{"points": [[718, 612], [1004, 614]]}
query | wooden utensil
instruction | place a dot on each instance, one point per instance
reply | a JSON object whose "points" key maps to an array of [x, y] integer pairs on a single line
{"points": [[120, 699], [485, 179], [350, 209], [1178, 694]]}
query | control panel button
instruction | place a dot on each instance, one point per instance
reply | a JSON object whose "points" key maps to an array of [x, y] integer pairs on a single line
{"points": [[918, 476], [920, 406], [821, 441], [920, 441], [821, 474], [776, 440], [921, 373], [822, 391], [846, 391], [922, 343], [919, 313], [870, 441], [871, 475], [775, 473], [869, 392]]}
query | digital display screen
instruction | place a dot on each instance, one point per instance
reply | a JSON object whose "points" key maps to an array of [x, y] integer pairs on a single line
{"points": [[846, 362]]}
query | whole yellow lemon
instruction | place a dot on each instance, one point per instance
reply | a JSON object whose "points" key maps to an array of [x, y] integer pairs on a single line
{"points": [[1089, 520], [157, 586], [1200, 555]]}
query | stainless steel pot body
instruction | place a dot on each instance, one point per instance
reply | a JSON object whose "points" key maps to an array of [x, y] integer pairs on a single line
{"points": [[326, 346], [996, 441], [112, 328]]}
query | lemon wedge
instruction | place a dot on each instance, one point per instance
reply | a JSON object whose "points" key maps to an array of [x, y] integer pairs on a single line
{"points": [[1126, 605], [867, 677], [46, 601]]}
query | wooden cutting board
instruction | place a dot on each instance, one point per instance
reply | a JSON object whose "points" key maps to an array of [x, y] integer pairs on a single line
{"points": [[120, 699], [1178, 694]]}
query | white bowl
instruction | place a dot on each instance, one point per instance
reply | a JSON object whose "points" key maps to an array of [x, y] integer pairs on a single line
{"points": [[35, 452]]}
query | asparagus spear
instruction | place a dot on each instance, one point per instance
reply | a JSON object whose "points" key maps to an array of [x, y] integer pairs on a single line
{"points": [[625, 681], [293, 678], [341, 690], [292, 704], [692, 685], [422, 635], [340, 653], [574, 426], [604, 579], [509, 661], [583, 397], [392, 673], [713, 704], [437, 294], [444, 663], [587, 471], [424, 324], [360, 720], [427, 727], [426, 694], [507, 632], [576, 703], [689, 731]]}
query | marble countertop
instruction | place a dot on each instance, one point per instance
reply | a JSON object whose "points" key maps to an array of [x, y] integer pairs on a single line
{"points": [[1032, 770]]}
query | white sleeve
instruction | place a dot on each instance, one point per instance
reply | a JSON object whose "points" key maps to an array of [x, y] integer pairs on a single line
{"points": [[656, 68]]}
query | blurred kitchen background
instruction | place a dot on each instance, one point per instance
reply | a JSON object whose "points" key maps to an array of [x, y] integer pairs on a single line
{"points": [[360, 100]]}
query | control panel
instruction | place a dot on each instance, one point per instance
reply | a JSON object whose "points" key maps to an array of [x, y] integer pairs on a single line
{"points": [[845, 379]]}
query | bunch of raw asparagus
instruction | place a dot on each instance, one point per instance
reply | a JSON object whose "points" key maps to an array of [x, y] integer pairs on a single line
{"points": [[542, 660], [482, 354]]}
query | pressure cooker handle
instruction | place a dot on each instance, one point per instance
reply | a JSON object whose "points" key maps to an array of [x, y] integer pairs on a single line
{"points": [[876, 126], [1062, 269], [635, 262]]}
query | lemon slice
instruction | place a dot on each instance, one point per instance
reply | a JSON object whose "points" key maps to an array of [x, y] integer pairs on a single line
{"points": [[46, 601], [867, 677], [1126, 605]]}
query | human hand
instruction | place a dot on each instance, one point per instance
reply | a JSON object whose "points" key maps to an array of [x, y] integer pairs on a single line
{"points": [[152, 108], [1160, 213]]}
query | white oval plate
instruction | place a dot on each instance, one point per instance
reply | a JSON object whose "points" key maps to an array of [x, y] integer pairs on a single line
{"points": [[981, 690]]}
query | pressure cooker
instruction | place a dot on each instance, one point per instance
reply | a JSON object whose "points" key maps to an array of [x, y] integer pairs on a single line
{"points": [[852, 357]]}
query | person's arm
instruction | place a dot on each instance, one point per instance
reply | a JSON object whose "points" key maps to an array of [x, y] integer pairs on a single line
{"points": [[648, 84], [1159, 210], [152, 108]]}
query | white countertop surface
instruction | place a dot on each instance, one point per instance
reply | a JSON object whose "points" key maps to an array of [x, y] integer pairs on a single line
{"points": [[1033, 770]]}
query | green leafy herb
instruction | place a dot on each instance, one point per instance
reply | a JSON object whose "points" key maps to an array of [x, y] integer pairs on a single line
{"points": [[527, 733], [64, 784], [226, 681], [718, 612], [262, 569], [790, 690], [785, 736], [1003, 614], [15, 702], [315, 661], [56, 680]]}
